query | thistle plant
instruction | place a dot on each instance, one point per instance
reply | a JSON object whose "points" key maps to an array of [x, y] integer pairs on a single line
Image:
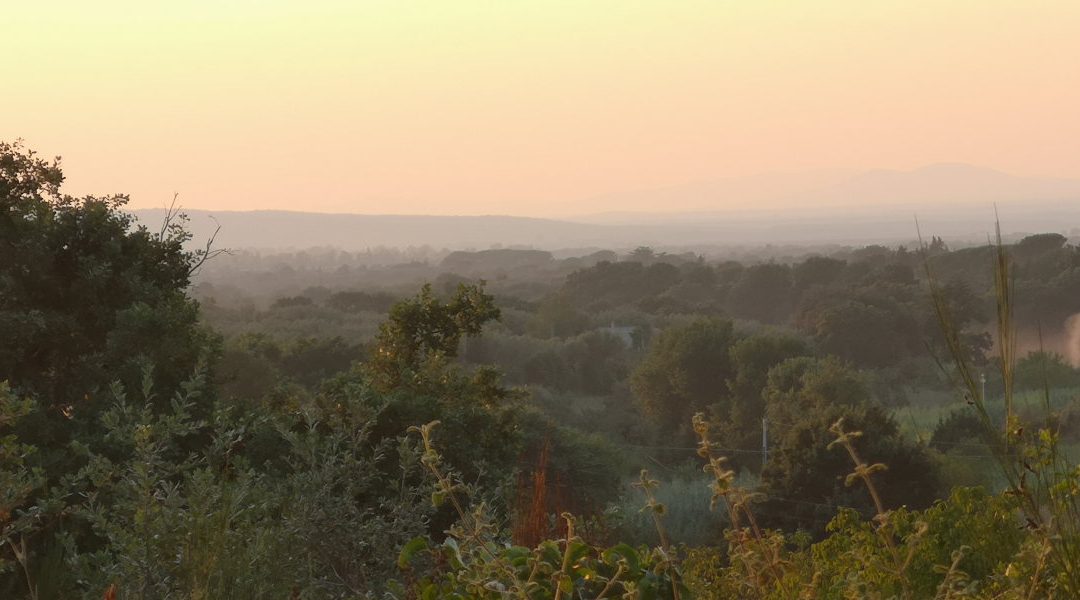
{"points": [[475, 560], [955, 583], [901, 551], [758, 552], [657, 510]]}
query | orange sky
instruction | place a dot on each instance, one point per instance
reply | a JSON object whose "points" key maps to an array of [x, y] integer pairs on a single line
{"points": [[528, 108]]}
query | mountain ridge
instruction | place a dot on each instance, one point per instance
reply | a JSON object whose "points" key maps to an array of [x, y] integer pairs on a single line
{"points": [[951, 199]]}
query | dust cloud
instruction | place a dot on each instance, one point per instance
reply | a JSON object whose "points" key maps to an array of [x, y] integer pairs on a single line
{"points": [[1071, 343]]}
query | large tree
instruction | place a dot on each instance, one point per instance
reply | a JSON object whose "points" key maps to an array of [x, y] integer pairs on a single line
{"points": [[87, 296], [752, 359], [88, 299], [685, 372], [805, 479], [763, 293]]}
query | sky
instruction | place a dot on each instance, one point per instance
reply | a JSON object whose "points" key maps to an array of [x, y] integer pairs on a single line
{"points": [[526, 107]]}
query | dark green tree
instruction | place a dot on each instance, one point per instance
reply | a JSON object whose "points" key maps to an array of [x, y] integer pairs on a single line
{"points": [[685, 372], [867, 334], [424, 329], [763, 293], [805, 479], [559, 317], [87, 297], [752, 359], [1039, 370], [817, 271], [88, 300]]}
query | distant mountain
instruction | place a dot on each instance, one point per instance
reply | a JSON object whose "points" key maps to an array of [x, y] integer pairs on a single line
{"points": [[948, 182], [928, 186], [286, 229], [769, 190], [829, 207]]}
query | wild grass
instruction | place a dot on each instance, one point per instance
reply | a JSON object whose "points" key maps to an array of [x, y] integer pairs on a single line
{"points": [[919, 418], [689, 521], [1040, 474]]}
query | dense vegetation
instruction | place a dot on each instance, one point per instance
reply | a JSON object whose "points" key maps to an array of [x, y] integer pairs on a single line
{"points": [[171, 429]]}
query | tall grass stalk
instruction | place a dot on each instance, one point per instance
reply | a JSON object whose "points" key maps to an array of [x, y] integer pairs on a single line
{"points": [[1039, 474], [1006, 331]]}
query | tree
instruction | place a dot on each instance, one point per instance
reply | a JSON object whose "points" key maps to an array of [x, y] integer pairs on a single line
{"points": [[87, 297], [642, 254], [961, 427], [753, 358], [870, 335], [1035, 245], [817, 270], [967, 313], [18, 482], [608, 285], [558, 317], [685, 372], [423, 328], [1042, 369], [410, 378], [88, 300], [763, 293], [804, 479]]}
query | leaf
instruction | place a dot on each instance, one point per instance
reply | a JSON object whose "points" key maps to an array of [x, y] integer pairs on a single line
{"points": [[407, 553], [625, 552], [578, 550], [566, 585], [455, 553]]}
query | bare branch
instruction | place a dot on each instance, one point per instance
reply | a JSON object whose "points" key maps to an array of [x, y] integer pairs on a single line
{"points": [[171, 213], [208, 252]]}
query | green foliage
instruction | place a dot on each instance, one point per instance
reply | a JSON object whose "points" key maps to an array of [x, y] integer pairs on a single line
{"points": [[763, 293], [424, 329], [803, 478], [754, 357], [688, 519], [472, 562], [556, 317], [84, 294], [962, 426], [973, 533], [87, 299], [685, 372], [253, 366], [283, 468], [18, 482], [168, 523], [863, 332], [324, 513], [610, 284], [817, 271], [1040, 370]]}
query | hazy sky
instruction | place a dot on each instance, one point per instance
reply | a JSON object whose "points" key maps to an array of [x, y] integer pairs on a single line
{"points": [[516, 107]]}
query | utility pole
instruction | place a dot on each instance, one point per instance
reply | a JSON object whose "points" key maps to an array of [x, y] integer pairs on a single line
{"points": [[764, 442], [982, 377]]}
